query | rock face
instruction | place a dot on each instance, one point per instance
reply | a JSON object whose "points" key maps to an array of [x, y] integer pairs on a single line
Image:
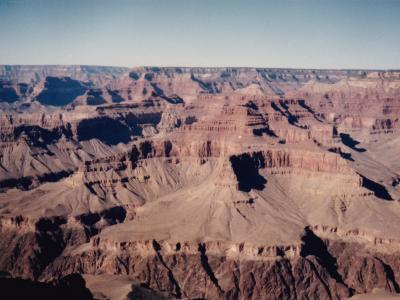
{"points": [[215, 183]]}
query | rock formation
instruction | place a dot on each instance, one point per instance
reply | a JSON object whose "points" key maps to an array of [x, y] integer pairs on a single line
{"points": [[211, 183]]}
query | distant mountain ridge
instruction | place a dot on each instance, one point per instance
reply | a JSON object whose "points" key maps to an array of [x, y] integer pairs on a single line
{"points": [[97, 85]]}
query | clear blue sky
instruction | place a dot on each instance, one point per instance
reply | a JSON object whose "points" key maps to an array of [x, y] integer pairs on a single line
{"points": [[281, 33]]}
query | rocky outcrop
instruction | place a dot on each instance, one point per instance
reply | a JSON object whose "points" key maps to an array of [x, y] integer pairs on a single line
{"points": [[316, 268]]}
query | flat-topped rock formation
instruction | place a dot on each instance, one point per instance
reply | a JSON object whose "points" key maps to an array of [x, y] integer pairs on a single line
{"points": [[215, 183]]}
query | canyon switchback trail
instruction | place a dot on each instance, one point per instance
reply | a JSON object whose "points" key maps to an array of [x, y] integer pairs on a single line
{"points": [[215, 183]]}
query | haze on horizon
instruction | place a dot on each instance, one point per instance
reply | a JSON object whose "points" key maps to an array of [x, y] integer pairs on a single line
{"points": [[356, 34]]}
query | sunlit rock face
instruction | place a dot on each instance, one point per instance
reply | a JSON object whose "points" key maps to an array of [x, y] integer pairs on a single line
{"points": [[216, 183]]}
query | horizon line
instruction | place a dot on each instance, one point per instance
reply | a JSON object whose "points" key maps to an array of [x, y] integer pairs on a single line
{"points": [[201, 67]]}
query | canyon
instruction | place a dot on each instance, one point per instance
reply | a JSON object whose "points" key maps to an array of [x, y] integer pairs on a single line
{"points": [[200, 183]]}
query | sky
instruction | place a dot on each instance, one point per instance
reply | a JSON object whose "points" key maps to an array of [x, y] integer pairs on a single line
{"points": [[351, 34]]}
